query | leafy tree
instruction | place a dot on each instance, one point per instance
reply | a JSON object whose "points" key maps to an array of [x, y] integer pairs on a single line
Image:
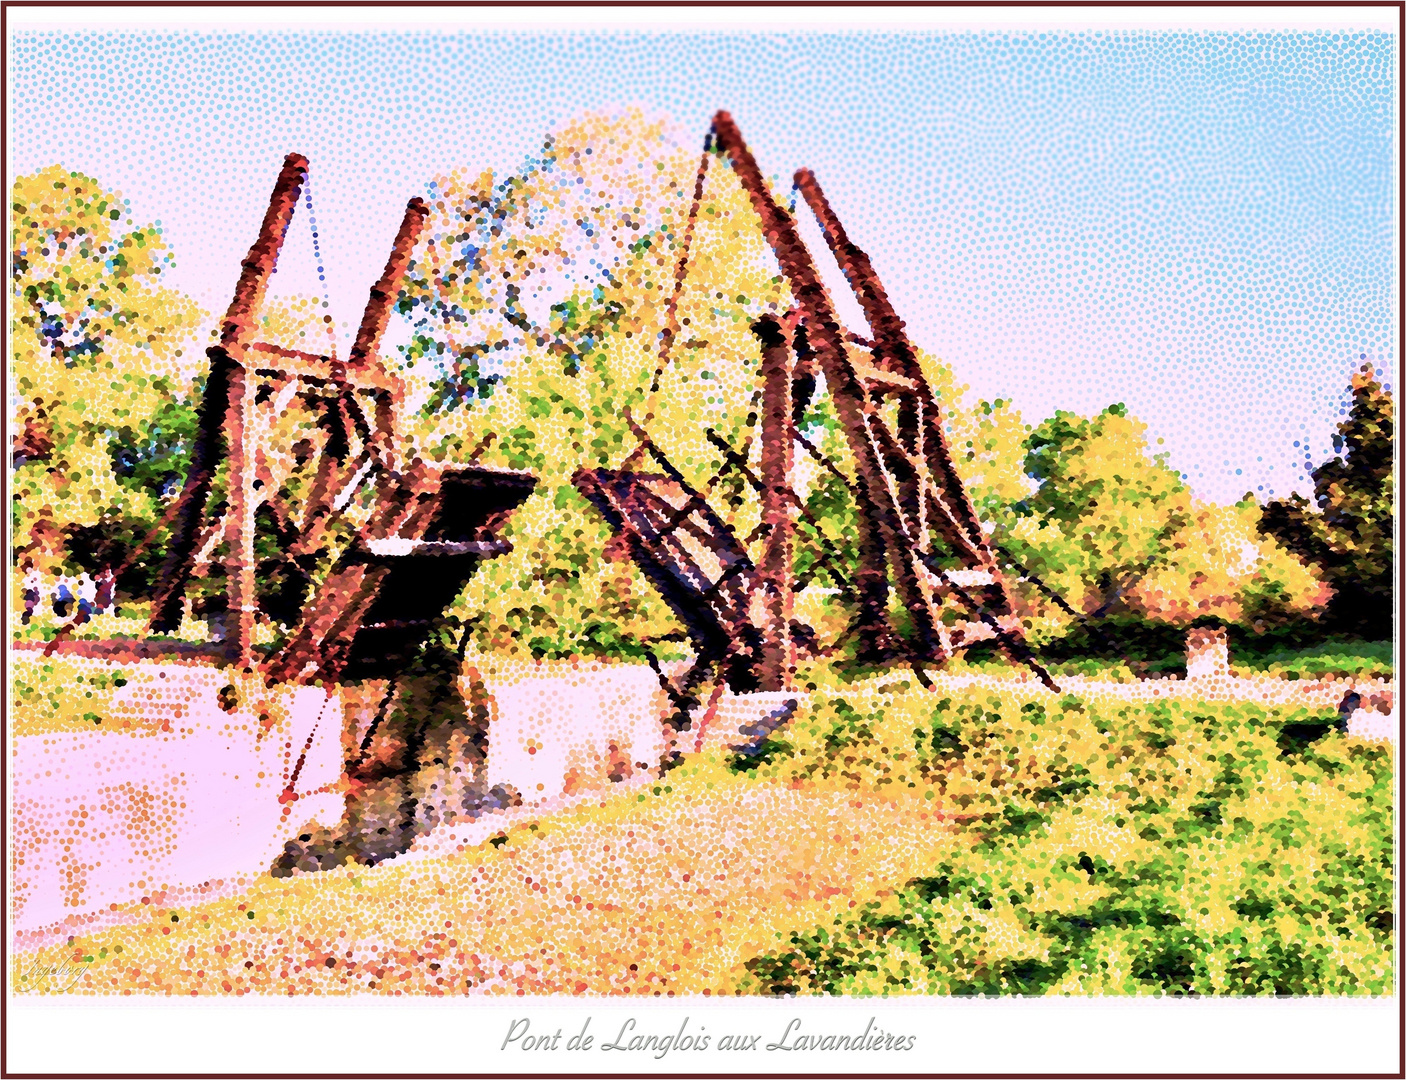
{"points": [[1219, 566], [1115, 531], [103, 360], [988, 449], [1350, 536], [495, 364], [1103, 513]]}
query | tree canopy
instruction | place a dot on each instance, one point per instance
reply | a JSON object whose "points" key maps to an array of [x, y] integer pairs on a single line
{"points": [[1114, 530], [1350, 534], [103, 357], [543, 384]]}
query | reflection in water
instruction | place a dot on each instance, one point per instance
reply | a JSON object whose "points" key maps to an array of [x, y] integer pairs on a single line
{"points": [[422, 763]]}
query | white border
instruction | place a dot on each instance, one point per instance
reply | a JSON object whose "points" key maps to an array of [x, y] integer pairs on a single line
{"points": [[464, 1036], [799, 19], [966, 1037]]}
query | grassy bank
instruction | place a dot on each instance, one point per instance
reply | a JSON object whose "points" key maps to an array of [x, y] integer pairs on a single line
{"points": [[1343, 657], [660, 891], [890, 840], [1116, 848], [55, 694]]}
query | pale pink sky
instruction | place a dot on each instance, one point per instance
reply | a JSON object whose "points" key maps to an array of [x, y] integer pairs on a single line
{"points": [[1199, 225]]}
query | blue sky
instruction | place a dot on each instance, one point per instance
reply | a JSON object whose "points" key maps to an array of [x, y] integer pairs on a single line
{"points": [[1200, 225]]}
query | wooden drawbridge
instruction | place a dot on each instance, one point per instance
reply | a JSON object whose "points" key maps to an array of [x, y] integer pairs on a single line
{"points": [[918, 531], [389, 541]]}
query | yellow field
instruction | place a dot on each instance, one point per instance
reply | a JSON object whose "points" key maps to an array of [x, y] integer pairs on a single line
{"points": [[646, 894]]}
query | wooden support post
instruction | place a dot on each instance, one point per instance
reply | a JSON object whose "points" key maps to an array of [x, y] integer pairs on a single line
{"points": [[205, 454], [263, 256], [259, 264], [242, 582], [386, 405], [385, 291], [774, 578], [920, 423], [878, 495], [223, 388]]}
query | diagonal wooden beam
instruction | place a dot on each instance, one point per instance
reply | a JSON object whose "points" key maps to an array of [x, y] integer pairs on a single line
{"points": [[383, 294], [920, 414], [259, 264], [224, 395], [361, 362], [857, 411], [206, 452]]}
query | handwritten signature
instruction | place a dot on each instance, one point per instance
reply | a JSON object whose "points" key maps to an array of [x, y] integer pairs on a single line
{"points": [[47, 977]]}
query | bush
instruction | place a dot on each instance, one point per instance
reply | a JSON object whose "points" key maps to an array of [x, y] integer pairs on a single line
{"points": [[1340, 656]]}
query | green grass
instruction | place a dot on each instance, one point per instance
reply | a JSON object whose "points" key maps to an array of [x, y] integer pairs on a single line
{"points": [[1361, 659], [1110, 848], [1340, 656], [58, 694]]}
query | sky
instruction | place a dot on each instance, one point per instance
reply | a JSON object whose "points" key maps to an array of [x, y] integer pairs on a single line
{"points": [[1199, 224]]}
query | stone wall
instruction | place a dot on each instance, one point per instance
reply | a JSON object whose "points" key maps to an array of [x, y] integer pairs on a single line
{"points": [[205, 800]]}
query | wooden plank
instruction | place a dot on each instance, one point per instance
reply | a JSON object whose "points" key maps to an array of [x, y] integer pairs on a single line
{"points": [[774, 578], [346, 593], [426, 516], [130, 650], [713, 610]]}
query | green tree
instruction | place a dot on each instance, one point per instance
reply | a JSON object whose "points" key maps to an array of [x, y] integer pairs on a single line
{"points": [[1111, 528], [603, 206], [1103, 512], [103, 361], [1218, 565], [1350, 535]]}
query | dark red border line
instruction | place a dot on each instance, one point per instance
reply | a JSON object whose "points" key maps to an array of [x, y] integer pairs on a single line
{"points": [[1399, 5]]}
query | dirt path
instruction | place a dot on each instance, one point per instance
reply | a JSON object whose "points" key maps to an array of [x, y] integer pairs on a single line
{"points": [[658, 897]]}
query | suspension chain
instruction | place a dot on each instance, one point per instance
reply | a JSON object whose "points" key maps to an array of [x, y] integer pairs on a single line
{"points": [[671, 312], [321, 269]]}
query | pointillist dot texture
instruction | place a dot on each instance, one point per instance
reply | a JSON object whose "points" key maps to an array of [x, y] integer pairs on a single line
{"points": [[1196, 224], [447, 641]]}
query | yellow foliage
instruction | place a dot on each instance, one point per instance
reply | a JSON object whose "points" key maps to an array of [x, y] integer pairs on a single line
{"points": [[295, 322], [1218, 564], [98, 345], [603, 206]]}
